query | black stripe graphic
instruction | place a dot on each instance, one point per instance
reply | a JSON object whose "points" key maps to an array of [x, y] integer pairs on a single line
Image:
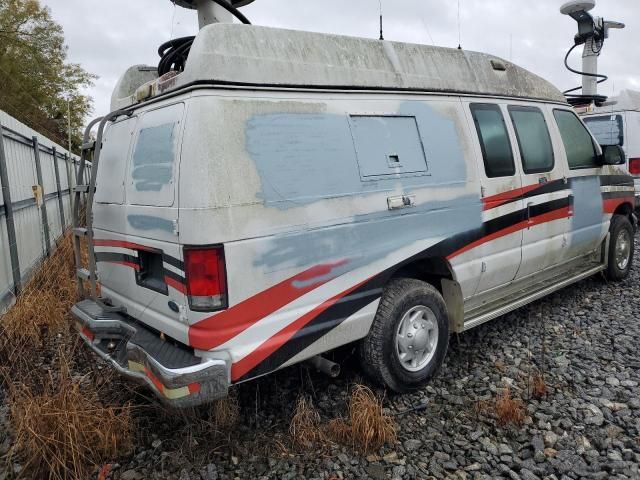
{"points": [[174, 262], [174, 276], [559, 185], [616, 181], [370, 291], [111, 257]]}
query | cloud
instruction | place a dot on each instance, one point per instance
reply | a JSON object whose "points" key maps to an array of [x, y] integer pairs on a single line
{"points": [[107, 37]]}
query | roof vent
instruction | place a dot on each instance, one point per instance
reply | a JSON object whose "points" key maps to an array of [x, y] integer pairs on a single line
{"points": [[498, 65]]}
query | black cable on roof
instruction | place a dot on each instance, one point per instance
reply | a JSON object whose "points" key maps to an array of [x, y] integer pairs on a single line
{"points": [[575, 99], [174, 53]]}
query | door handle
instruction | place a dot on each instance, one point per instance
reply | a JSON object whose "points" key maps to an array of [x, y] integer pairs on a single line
{"points": [[529, 205], [571, 203]]}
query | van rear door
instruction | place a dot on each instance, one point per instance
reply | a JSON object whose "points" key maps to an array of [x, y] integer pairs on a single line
{"points": [[137, 243]]}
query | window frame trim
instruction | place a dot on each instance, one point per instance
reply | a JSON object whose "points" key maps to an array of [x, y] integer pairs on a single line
{"points": [[492, 107], [529, 108]]}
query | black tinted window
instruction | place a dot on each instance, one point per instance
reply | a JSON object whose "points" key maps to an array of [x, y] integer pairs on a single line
{"points": [[496, 148], [533, 138], [577, 141]]}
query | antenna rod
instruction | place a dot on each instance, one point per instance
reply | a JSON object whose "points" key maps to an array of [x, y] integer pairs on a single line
{"points": [[381, 32]]}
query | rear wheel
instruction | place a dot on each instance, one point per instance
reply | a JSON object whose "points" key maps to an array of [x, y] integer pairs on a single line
{"points": [[621, 248], [409, 336]]}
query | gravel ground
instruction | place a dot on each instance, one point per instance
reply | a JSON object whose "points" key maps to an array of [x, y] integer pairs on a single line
{"points": [[583, 340]]}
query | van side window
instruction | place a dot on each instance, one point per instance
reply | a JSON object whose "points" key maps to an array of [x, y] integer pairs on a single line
{"points": [[536, 149], [608, 129], [577, 142], [494, 140]]}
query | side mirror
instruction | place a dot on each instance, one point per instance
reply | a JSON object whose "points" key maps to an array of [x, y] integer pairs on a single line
{"points": [[613, 155]]}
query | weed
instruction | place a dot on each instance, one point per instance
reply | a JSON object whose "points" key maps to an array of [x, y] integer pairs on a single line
{"points": [[509, 410], [367, 428], [226, 412], [64, 430], [538, 386], [305, 428]]}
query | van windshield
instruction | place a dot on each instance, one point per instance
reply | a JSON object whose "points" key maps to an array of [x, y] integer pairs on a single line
{"points": [[607, 129]]}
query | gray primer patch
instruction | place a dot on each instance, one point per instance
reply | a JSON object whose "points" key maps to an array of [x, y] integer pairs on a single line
{"points": [[586, 224], [445, 156], [303, 158], [153, 158], [372, 236], [147, 222]]}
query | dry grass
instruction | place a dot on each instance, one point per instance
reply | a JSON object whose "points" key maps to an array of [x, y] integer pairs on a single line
{"points": [[305, 429], [538, 386], [40, 313], [367, 428], [63, 430], [226, 412], [506, 409]]}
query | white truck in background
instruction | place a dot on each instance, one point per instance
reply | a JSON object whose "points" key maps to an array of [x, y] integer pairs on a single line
{"points": [[618, 123]]}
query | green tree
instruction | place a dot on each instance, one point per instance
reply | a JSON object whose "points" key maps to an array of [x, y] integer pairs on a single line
{"points": [[36, 81]]}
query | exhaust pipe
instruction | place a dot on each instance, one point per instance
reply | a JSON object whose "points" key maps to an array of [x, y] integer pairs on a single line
{"points": [[325, 366]]}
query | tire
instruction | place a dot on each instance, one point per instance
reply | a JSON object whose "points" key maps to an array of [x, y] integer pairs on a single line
{"points": [[621, 249], [384, 352]]}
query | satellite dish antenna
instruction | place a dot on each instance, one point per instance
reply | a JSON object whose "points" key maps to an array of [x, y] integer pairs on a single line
{"points": [[592, 32], [577, 6], [213, 11]]}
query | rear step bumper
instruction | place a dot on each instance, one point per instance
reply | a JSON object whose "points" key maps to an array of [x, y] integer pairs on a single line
{"points": [[175, 374]]}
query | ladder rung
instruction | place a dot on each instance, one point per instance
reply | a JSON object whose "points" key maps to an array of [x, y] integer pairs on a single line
{"points": [[89, 145], [81, 188], [83, 274], [80, 232]]}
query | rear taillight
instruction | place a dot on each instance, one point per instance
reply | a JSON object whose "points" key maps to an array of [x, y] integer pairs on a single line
{"points": [[206, 278], [634, 166]]}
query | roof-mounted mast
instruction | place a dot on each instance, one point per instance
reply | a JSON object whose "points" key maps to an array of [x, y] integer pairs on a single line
{"points": [[592, 32]]}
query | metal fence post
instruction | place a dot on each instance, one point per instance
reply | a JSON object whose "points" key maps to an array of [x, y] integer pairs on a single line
{"points": [[45, 219], [67, 159], [8, 209], [63, 224]]}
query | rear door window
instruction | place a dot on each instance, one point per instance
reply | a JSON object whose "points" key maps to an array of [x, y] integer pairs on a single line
{"points": [[578, 144], [114, 158], [536, 149], [155, 157], [608, 129], [494, 140]]}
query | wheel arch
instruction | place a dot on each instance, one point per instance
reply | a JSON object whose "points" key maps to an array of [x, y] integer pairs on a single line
{"points": [[439, 272]]}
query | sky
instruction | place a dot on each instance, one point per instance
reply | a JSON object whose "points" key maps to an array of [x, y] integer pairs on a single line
{"points": [[106, 37]]}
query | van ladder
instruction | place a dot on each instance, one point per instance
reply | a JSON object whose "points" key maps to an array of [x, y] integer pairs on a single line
{"points": [[83, 194]]}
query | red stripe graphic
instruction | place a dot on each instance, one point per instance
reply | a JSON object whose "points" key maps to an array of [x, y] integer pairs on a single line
{"points": [[558, 214], [175, 284], [218, 329], [122, 244], [135, 266], [495, 201], [612, 204], [248, 363]]}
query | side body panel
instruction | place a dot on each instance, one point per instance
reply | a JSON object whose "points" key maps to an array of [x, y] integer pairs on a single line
{"points": [[318, 199]]}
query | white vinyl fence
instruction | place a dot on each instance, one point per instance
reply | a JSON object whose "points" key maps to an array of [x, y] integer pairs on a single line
{"points": [[35, 205]]}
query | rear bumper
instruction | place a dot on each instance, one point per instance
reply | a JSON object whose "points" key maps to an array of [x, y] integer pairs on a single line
{"points": [[178, 377]]}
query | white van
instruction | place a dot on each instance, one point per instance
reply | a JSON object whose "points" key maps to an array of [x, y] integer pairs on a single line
{"points": [[292, 192], [618, 123]]}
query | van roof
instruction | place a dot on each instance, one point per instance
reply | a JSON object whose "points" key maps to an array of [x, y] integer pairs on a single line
{"points": [[263, 56]]}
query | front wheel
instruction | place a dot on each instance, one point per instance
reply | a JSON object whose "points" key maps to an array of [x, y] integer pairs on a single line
{"points": [[621, 249], [409, 337]]}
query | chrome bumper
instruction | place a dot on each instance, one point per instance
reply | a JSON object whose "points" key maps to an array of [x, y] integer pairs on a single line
{"points": [[174, 373]]}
